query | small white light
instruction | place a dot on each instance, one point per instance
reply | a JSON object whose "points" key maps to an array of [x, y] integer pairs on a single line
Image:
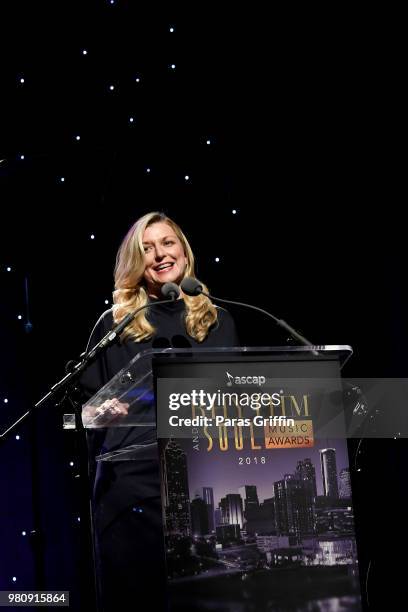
{"points": [[234, 212], [137, 79], [77, 138], [112, 1], [71, 463], [23, 533], [217, 259], [92, 236], [79, 519], [19, 317], [171, 29], [17, 437], [22, 80], [172, 66], [9, 269], [5, 400], [111, 87], [148, 170], [106, 301], [14, 579], [208, 142], [21, 156], [186, 177], [62, 179], [84, 52], [131, 119]]}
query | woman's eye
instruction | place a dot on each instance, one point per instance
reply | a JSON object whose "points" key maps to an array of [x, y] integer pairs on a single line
{"points": [[169, 242]]}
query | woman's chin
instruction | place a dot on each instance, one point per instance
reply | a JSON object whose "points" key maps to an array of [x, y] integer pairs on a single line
{"points": [[169, 278]]}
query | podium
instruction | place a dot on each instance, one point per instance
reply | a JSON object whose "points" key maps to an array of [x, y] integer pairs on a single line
{"points": [[222, 481]]}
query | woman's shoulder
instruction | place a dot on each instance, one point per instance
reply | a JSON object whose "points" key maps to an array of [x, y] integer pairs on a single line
{"points": [[223, 313], [226, 328]]}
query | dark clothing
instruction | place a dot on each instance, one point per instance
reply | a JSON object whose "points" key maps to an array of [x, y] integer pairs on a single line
{"points": [[126, 501], [168, 319]]}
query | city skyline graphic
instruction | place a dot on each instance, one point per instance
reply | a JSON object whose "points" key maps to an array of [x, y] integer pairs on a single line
{"points": [[225, 475]]}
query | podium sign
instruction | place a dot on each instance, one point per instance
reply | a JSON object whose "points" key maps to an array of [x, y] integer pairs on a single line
{"points": [[251, 449], [255, 509]]}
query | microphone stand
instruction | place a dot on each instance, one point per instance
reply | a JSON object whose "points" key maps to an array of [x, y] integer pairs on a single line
{"points": [[87, 358], [280, 322]]}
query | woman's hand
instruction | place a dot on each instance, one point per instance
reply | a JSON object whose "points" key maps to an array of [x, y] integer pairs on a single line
{"points": [[111, 410]]}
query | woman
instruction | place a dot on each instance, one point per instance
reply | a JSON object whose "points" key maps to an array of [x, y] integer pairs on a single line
{"points": [[154, 252], [126, 501]]}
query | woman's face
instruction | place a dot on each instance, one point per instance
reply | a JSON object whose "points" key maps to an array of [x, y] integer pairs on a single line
{"points": [[165, 261]]}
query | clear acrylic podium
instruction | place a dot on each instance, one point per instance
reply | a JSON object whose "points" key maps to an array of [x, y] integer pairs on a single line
{"points": [[239, 502]]}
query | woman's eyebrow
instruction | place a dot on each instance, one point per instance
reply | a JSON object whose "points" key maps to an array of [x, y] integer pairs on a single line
{"points": [[163, 238]]}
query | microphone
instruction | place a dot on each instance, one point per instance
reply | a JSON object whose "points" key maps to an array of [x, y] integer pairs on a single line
{"points": [[170, 290], [191, 286]]}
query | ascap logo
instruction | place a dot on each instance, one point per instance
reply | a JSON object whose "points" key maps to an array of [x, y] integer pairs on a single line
{"points": [[245, 380]]}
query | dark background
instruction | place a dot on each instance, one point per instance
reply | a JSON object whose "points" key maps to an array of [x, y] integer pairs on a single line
{"points": [[302, 109]]}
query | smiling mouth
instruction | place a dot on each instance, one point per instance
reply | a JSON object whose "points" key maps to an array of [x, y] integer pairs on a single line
{"points": [[164, 268]]}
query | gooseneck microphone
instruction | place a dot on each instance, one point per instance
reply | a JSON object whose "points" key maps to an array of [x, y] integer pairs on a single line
{"points": [[170, 291], [191, 286]]}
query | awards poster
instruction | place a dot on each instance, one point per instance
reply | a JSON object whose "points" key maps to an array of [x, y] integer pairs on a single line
{"points": [[258, 518]]}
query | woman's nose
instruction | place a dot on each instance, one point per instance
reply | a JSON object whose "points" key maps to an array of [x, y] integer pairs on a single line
{"points": [[160, 252]]}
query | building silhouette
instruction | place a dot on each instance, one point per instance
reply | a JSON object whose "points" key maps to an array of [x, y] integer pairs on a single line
{"points": [[232, 510], [175, 490], [329, 472], [208, 497], [199, 517], [306, 472], [294, 506], [345, 483]]}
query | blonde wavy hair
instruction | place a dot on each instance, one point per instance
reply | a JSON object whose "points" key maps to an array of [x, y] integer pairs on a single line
{"points": [[130, 287]]}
